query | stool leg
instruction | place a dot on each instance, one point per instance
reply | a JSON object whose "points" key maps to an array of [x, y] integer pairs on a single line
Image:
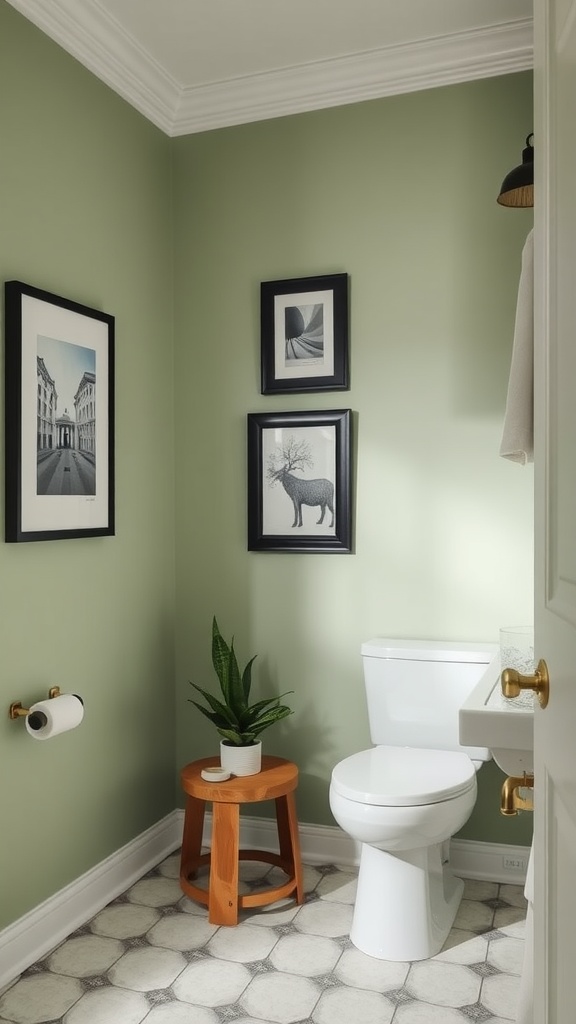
{"points": [[192, 837], [289, 838], [223, 893]]}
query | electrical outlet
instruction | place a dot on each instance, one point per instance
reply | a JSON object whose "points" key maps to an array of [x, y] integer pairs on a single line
{"points": [[514, 863]]}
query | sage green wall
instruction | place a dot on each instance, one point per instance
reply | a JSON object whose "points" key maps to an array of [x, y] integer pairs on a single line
{"points": [[400, 194], [85, 212]]}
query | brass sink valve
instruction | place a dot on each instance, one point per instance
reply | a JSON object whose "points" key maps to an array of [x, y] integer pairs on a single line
{"points": [[512, 801]]}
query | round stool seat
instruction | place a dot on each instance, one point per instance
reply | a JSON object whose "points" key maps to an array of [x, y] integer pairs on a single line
{"points": [[403, 776]]}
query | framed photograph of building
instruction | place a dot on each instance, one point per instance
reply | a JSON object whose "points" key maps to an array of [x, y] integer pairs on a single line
{"points": [[59, 409], [299, 483], [304, 334]]}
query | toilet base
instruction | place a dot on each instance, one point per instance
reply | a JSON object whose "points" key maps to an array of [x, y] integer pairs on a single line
{"points": [[406, 903]]}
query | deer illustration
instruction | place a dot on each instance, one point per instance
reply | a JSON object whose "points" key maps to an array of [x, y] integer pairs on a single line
{"points": [[307, 492], [295, 456]]}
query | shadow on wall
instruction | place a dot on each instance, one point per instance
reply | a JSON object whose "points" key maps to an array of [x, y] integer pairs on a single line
{"points": [[305, 738], [311, 743]]}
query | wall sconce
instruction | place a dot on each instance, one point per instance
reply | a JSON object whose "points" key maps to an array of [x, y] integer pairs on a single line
{"points": [[518, 186]]}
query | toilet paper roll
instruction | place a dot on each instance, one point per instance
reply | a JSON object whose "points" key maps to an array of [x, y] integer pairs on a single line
{"points": [[48, 718]]}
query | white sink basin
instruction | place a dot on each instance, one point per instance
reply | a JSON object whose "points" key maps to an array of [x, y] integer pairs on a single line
{"points": [[504, 725]]}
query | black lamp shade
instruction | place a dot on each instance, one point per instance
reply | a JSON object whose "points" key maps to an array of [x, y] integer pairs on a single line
{"points": [[518, 186]]}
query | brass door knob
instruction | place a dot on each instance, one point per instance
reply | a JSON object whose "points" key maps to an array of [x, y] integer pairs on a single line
{"points": [[512, 683]]}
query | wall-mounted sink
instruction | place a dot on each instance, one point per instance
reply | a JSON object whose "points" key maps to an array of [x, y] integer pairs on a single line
{"points": [[504, 725]]}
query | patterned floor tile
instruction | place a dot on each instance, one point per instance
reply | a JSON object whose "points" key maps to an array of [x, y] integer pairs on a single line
{"points": [[338, 888], [253, 1020], [423, 1013], [342, 1005], [484, 969], [474, 916], [508, 915], [273, 916], [307, 955], [124, 921], [507, 955], [360, 971], [109, 1004], [500, 995], [456, 938], [182, 932], [155, 892], [477, 890], [443, 984], [312, 876], [243, 943], [152, 957], [142, 970], [210, 983], [181, 1013], [170, 868], [513, 894], [476, 1013], [85, 956], [322, 918], [281, 998], [39, 997], [468, 949]]}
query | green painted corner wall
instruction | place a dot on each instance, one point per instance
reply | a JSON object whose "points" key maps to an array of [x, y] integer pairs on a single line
{"points": [[400, 194], [173, 237], [85, 212]]}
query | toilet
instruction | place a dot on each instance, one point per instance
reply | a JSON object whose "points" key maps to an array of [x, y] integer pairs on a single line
{"points": [[407, 795]]}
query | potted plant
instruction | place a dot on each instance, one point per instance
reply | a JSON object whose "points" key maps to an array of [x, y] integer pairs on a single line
{"points": [[238, 722]]}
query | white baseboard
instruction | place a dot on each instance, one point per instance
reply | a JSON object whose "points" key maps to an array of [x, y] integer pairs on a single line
{"points": [[35, 934], [489, 862], [328, 844], [41, 929]]}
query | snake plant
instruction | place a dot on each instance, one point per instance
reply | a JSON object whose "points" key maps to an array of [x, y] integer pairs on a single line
{"points": [[238, 722]]}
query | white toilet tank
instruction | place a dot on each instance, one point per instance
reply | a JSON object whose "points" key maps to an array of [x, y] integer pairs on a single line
{"points": [[414, 690]]}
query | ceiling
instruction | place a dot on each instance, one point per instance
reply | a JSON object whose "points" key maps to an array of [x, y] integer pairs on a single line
{"points": [[194, 65]]}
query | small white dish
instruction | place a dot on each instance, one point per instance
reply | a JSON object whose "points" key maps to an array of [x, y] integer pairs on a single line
{"points": [[215, 774]]}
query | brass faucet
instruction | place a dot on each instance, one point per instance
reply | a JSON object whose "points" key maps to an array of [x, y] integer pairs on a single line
{"points": [[511, 801]]}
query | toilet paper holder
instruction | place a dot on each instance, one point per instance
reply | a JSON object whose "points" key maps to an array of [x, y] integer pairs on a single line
{"points": [[17, 711]]}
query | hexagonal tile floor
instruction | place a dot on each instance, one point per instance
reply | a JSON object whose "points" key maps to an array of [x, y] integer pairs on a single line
{"points": [[152, 956]]}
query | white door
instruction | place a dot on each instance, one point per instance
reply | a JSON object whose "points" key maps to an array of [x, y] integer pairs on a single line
{"points": [[555, 508]]}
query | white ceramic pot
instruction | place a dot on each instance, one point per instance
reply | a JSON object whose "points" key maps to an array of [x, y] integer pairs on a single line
{"points": [[241, 760]]}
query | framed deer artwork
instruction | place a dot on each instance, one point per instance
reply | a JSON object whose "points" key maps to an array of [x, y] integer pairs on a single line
{"points": [[299, 482], [304, 334]]}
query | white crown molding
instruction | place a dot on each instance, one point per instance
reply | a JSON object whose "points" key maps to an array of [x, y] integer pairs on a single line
{"points": [[410, 67], [94, 38]]}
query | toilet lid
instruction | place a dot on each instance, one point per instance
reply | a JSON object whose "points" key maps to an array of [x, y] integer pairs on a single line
{"points": [[403, 776]]}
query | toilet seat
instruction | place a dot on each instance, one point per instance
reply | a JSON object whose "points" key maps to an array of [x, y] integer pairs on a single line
{"points": [[403, 776]]}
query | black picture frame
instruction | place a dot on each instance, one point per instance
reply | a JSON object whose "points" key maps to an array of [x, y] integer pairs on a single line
{"points": [[289, 448], [59, 417], [315, 311]]}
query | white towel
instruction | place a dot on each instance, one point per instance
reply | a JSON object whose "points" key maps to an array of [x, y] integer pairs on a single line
{"points": [[518, 434]]}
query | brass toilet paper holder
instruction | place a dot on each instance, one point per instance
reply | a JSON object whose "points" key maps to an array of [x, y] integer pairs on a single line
{"points": [[17, 711]]}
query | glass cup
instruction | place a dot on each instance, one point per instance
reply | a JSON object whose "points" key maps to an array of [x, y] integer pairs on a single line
{"points": [[517, 651]]}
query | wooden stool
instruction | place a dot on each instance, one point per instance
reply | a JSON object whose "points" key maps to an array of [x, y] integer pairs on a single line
{"points": [[276, 781]]}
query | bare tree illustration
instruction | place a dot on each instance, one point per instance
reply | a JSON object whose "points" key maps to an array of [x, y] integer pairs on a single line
{"points": [[294, 456]]}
